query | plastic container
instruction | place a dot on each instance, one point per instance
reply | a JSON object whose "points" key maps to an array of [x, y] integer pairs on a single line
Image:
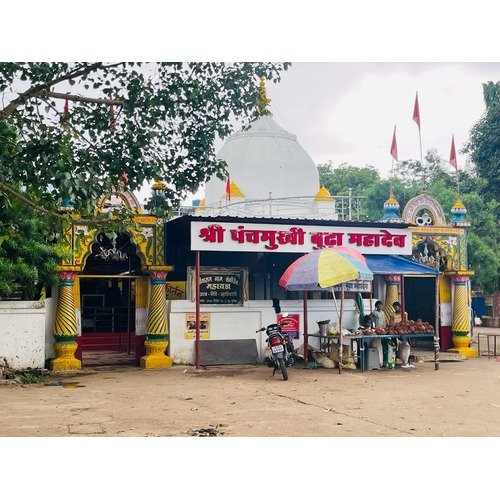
{"points": [[332, 329], [371, 358]]}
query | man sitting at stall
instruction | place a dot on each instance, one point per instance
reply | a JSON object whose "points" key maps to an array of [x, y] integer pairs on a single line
{"points": [[367, 323], [403, 351]]}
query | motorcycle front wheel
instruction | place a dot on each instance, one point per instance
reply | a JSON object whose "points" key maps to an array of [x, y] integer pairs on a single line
{"points": [[284, 372]]}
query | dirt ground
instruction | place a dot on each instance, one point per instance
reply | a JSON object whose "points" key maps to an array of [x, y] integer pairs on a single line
{"points": [[460, 399]]}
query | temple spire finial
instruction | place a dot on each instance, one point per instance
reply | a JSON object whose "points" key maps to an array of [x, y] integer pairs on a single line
{"points": [[262, 100], [391, 209]]}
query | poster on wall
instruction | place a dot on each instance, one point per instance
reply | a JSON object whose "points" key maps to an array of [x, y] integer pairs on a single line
{"points": [[290, 324], [190, 332]]}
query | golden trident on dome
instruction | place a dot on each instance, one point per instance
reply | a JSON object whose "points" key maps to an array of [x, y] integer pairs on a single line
{"points": [[262, 99]]}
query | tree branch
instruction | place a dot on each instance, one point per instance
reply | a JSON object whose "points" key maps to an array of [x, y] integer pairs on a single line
{"points": [[73, 97], [36, 90], [19, 196]]}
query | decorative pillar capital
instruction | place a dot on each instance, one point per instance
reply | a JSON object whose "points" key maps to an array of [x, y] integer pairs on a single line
{"points": [[158, 274], [158, 277], [67, 277], [460, 279], [393, 279]]}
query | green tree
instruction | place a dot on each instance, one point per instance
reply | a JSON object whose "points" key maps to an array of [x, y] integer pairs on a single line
{"points": [[130, 122], [147, 121], [339, 179], [28, 256], [440, 182], [483, 146]]}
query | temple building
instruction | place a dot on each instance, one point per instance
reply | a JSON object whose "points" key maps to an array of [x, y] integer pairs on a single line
{"points": [[134, 293]]}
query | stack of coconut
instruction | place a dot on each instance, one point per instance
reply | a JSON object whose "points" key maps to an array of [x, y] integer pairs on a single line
{"points": [[409, 326]]}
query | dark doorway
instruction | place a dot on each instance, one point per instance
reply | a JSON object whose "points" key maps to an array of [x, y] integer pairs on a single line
{"points": [[420, 298], [107, 298]]}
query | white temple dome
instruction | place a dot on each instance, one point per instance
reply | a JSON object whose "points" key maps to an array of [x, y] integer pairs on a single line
{"points": [[265, 159]]}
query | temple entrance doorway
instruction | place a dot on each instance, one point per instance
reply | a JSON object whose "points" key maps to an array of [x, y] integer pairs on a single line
{"points": [[108, 303]]}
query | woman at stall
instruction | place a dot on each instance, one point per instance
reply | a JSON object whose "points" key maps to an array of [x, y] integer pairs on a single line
{"points": [[398, 314]]}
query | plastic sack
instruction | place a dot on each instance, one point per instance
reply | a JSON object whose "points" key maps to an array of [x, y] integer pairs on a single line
{"points": [[404, 351], [391, 355], [325, 362]]}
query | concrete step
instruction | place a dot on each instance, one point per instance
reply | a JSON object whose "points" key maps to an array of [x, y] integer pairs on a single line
{"points": [[423, 356]]}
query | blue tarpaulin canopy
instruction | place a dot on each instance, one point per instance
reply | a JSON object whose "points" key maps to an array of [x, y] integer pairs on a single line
{"points": [[394, 264]]}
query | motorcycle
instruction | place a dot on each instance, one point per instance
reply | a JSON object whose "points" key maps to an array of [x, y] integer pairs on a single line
{"points": [[281, 349]]}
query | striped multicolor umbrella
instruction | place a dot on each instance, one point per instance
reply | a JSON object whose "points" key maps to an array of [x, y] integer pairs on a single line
{"points": [[325, 268]]}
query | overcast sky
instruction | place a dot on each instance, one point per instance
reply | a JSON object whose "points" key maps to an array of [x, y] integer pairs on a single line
{"points": [[346, 112], [340, 111]]}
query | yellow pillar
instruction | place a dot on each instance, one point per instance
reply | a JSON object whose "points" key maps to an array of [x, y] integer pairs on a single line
{"points": [[460, 323], [391, 294], [156, 328], [65, 331]]}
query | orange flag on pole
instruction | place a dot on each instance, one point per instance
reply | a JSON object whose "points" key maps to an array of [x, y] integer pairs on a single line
{"points": [[394, 146], [453, 153], [416, 112]]}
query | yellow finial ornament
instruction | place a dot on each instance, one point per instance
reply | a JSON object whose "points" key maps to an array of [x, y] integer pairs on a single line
{"points": [[262, 99]]}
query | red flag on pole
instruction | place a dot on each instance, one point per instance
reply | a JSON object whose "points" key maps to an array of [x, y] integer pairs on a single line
{"points": [[453, 153], [394, 146], [416, 112], [228, 188]]}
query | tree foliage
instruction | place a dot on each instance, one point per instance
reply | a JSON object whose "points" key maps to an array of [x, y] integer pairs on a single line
{"points": [[28, 254], [435, 178], [338, 180], [483, 147], [71, 132], [149, 121]]}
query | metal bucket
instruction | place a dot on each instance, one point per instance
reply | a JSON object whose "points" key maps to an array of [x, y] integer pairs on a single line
{"points": [[323, 326]]}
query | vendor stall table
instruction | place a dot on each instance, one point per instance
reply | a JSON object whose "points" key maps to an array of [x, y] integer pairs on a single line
{"points": [[326, 341], [364, 338]]}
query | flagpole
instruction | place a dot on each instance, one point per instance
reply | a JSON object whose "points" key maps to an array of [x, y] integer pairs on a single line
{"points": [[421, 159], [453, 161], [392, 177], [416, 119], [394, 154]]}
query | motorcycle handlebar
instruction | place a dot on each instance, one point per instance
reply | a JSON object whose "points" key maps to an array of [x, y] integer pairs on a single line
{"points": [[260, 330]]}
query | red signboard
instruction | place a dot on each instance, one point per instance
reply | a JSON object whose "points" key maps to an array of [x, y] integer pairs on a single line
{"points": [[289, 324]]}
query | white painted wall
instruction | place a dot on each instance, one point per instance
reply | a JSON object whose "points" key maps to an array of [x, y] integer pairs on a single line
{"points": [[141, 319], [22, 333], [233, 322]]}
